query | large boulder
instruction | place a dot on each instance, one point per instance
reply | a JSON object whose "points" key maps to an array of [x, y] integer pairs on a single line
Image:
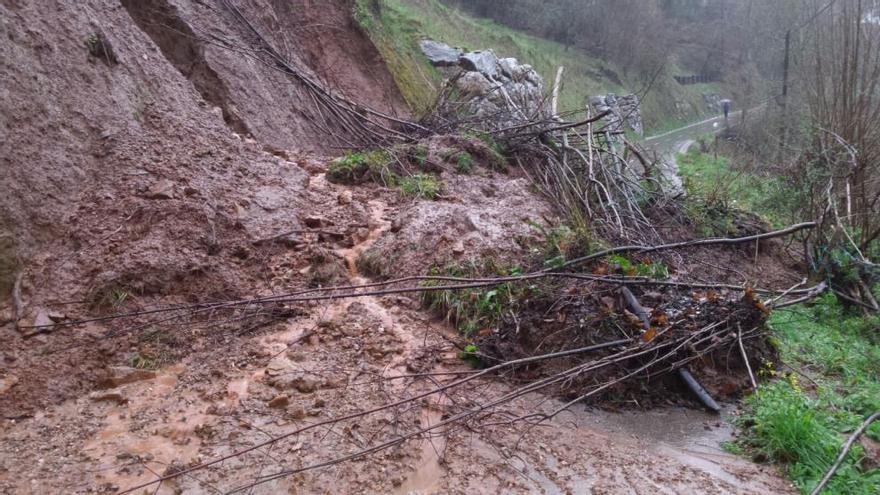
{"points": [[485, 62], [440, 54]]}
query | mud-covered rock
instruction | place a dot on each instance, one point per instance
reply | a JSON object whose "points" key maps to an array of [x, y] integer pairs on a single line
{"points": [[163, 189], [121, 375], [279, 402], [302, 382], [471, 226], [7, 382]]}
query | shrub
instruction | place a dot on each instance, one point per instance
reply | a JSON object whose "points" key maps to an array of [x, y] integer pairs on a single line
{"points": [[421, 185], [355, 168], [464, 162]]}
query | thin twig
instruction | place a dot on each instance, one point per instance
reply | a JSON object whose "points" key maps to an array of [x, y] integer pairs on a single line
{"points": [[846, 447]]}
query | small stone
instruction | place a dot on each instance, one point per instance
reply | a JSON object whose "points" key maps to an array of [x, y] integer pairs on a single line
{"points": [[164, 189], [43, 319], [396, 225], [279, 402], [307, 384], [298, 413], [283, 154], [320, 403], [313, 222], [108, 397], [6, 316], [121, 375], [458, 248], [344, 198], [7, 383], [57, 317]]}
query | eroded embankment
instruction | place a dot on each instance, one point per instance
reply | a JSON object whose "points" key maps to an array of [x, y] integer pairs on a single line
{"points": [[143, 193]]}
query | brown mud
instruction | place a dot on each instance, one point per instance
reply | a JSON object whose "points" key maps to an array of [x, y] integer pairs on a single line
{"points": [[142, 181]]}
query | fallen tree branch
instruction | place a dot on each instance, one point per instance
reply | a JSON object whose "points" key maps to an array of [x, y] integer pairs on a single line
{"points": [[812, 294], [17, 302], [742, 350], [846, 448], [693, 385], [698, 242], [353, 291]]}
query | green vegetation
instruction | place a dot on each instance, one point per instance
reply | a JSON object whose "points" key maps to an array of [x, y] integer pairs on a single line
{"points": [[716, 189], [653, 270], [401, 24], [418, 153], [561, 243], [464, 162], [145, 362], [496, 152], [469, 355], [373, 263], [396, 34], [799, 418], [475, 310], [99, 47], [398, 25], [801, 424], [421, 185], [371, 166], [111, 299], [383, 167]]}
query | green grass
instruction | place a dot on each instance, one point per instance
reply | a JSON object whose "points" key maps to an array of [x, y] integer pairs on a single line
{"points": [[404, 22], [400, 25], [384, 167], [716, 188], [369, 166], [422, 186], [802, 424], [464, 162], [473, 310], [653, 270]]}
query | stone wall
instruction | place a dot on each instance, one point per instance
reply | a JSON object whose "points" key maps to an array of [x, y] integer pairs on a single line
{"points": [[498, 91], [625, 112]]}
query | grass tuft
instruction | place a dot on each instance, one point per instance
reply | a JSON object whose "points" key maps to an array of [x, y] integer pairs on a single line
{"points": [[421, 186], [803, 427], [355, 168]]}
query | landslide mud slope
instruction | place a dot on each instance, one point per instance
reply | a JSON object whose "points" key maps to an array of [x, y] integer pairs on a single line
{"points": [[145, 166]]}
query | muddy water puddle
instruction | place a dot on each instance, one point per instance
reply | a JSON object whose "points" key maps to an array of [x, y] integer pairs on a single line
{"points": [[692, 437]]}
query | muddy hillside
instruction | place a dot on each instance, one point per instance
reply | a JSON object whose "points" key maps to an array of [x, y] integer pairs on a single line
{"points": [[213, 279]]}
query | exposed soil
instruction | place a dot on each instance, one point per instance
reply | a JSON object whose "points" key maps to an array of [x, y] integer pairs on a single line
{"points": [[143, 167]]}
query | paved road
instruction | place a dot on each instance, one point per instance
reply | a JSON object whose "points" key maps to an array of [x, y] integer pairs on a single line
{"points": [[670, 143]]}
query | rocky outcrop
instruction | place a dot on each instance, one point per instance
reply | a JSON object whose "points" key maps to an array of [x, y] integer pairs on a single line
{"points": [[625, 112], [498, 91]]}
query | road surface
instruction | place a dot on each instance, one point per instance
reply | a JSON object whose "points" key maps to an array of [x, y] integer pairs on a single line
{"points": [[670, 143]]}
